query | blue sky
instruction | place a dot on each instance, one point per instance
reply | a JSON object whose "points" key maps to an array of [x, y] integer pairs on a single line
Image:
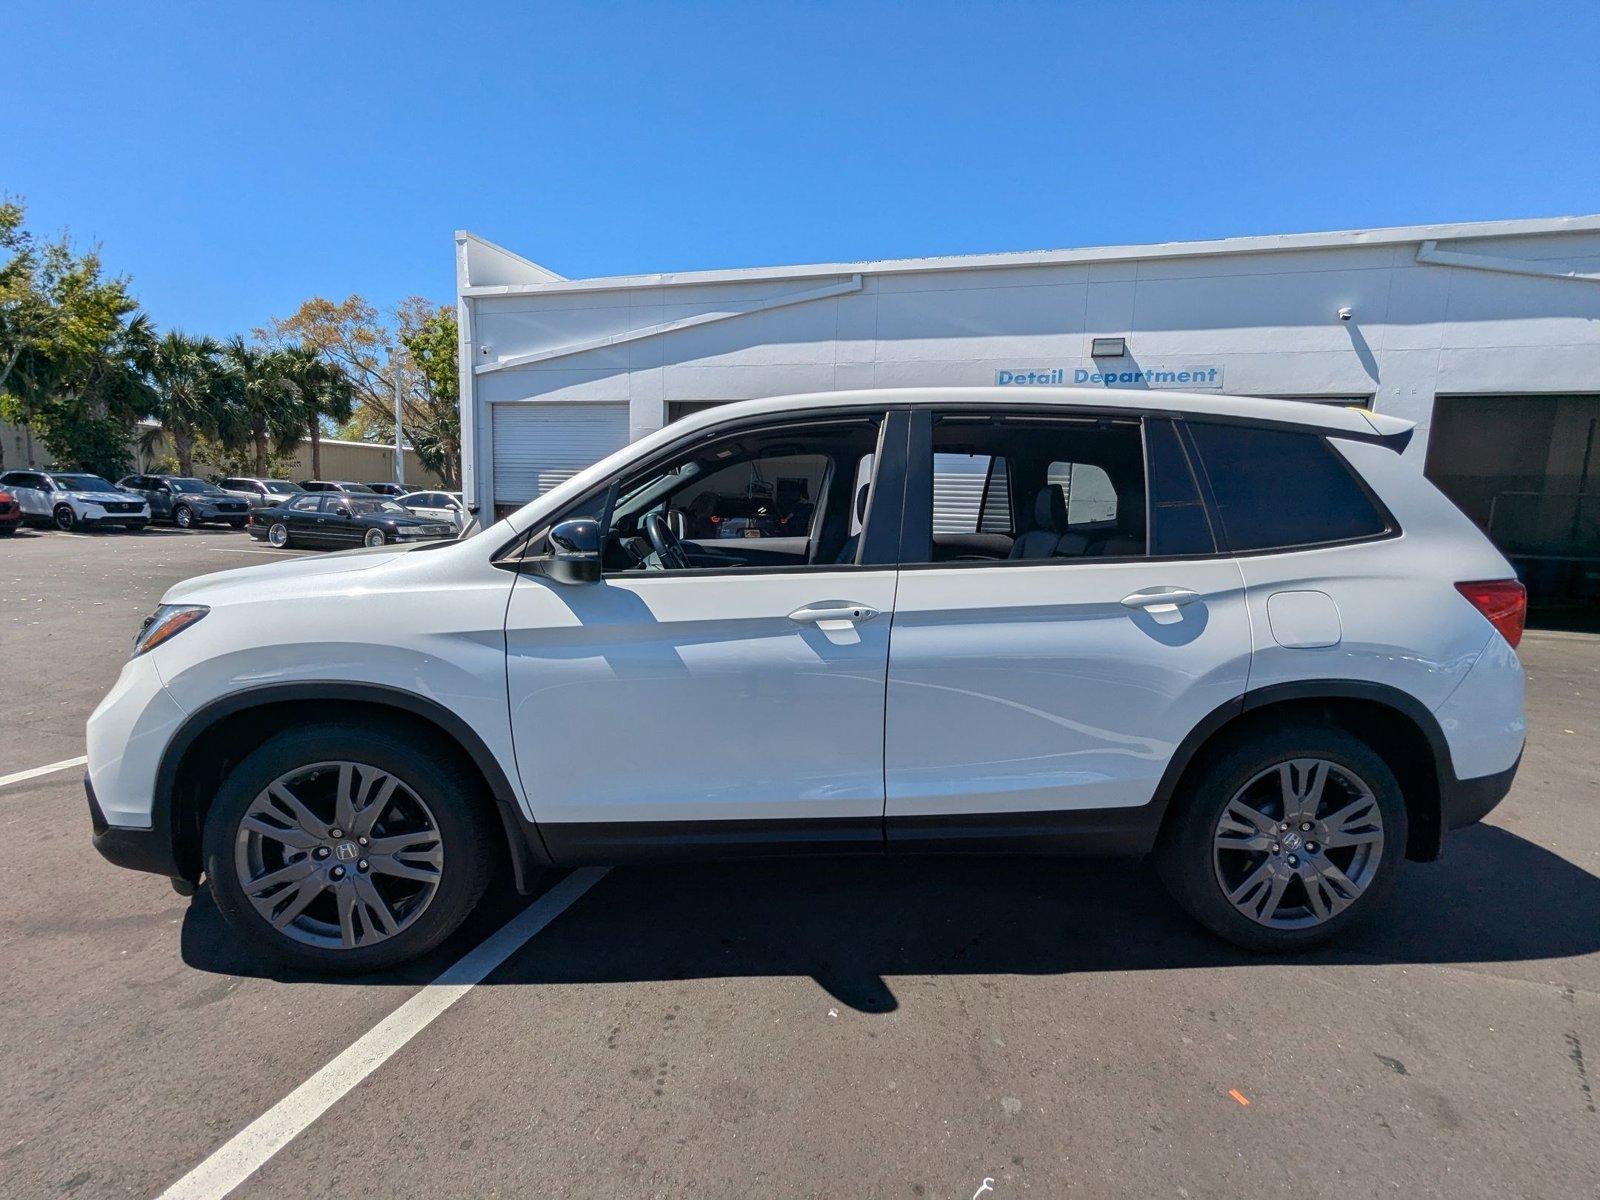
{"points": [[236, 158]]}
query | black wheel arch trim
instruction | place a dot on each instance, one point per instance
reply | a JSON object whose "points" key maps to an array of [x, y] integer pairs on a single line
{"points": [[524, 842]]}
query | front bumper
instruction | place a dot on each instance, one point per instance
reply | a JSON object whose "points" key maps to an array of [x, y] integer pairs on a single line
{"points": [[136, 849]]}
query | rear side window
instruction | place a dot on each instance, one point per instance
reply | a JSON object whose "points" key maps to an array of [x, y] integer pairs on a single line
{"points": [[1277, 489]]}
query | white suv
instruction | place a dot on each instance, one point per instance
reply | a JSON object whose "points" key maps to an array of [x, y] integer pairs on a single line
{"points": [[75, 500], [1243, 635]]}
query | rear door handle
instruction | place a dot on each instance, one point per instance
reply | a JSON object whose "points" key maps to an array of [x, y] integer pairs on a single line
{"points": [[833, 614], [1160, 599]]}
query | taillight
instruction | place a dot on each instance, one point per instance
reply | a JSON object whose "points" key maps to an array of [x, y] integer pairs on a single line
{"points": [[1503, 602]]}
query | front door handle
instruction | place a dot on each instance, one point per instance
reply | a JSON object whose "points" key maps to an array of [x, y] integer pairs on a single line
{"points": [[833, 614], [1160, 599]]}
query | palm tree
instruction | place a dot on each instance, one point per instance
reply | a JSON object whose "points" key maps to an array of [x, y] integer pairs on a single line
{"points": [[187, 378], [265, 401], [325, 391]]}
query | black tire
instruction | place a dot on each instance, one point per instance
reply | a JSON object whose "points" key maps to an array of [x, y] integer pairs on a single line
{"points": [[8, 530], [453, 796], [64, 519], [1184, 853], [183, 517]]}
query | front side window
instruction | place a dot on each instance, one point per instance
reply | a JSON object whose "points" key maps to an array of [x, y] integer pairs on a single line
{"points": [[1277, 489], [1017, 488], [779, 497]]}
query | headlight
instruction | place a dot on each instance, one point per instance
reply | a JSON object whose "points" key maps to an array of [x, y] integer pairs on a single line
{"points": [[168, 622]]}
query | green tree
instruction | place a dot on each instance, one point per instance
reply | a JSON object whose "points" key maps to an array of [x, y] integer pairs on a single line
{"points": [[432, 402], [191, 397], [324, 390], [264, 399], [74, 349]]}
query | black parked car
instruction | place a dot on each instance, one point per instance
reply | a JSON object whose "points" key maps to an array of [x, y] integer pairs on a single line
{"points": [[187, 502], [387, 489], [340, 520]]}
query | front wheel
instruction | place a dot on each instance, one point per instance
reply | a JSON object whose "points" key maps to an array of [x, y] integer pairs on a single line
{"points": [[1286, 839], [183, 517], [346, 847], [64, 518], [374, 537]]}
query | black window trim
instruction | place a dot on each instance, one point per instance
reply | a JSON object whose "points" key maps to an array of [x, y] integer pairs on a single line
{"points": [[1219, 527]]}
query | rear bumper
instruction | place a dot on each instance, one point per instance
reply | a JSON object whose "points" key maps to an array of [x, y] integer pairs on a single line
{"points": [[136, 849], [1464, 802]]}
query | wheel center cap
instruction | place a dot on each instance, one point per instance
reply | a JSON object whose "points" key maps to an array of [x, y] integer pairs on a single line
{"points": [[347, 852], [1291, 841]]}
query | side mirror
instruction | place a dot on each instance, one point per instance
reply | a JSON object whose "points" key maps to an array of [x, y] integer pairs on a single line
{"points": [[574, 555]]}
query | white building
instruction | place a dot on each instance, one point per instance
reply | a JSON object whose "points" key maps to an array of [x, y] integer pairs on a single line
{"points": [[1485, 334]]}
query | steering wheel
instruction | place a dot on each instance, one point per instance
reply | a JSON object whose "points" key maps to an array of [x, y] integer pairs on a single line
{"points": [[667, 545]]}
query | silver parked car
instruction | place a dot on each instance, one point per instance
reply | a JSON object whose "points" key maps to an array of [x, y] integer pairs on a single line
{"points": [[74, 500], [441, 506], [260, 493]]}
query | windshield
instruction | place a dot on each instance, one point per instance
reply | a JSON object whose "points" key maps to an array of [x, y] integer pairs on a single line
{"points": [[82, 483], [362, 506], [192, 485], [282, 487]]}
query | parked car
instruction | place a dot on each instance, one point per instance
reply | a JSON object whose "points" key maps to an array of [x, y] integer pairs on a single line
{"points": [[187, 502], [259, 493], [1244, 635], [336, 485], [387, 489], [10, 514], [341, 520], [74, 500], [437, 506]]}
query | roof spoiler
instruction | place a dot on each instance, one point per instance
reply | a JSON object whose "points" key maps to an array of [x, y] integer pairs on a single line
{"points": [[1393, 432]]}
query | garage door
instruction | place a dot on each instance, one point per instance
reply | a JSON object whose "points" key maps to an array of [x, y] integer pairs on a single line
{"points": [[537, 446]]}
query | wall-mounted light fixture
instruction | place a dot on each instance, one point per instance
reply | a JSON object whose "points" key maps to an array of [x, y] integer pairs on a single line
{"points": [[1109, 347]]}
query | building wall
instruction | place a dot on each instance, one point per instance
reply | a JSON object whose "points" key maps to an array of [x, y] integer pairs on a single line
{"points": [[1265, 322]]}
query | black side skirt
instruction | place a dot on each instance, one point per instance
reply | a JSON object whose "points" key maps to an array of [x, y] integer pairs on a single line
{"points": [[1086, 832]]}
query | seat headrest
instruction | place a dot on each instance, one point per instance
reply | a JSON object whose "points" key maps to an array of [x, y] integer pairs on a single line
{"points": [[1050, 509], [861, 501]]}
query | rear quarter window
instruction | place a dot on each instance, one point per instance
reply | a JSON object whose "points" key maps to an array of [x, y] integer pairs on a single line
{"points": [[1277, 489]]}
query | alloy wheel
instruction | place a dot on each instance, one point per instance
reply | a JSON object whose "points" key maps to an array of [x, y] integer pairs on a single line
{"points": [[339, 855], [1298, 844], [65, 519], [182, 517], [278, 535], [374, 537]]}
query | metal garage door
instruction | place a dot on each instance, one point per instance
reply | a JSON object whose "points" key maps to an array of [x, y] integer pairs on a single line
{"points": [[537, 446]]}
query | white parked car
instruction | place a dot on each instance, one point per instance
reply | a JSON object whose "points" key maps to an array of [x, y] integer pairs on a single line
{"points": [[75, 500], [1245, 635], [438, 506]]}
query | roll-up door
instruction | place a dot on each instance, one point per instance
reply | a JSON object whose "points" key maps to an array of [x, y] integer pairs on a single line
{"points": [[537, 446]]}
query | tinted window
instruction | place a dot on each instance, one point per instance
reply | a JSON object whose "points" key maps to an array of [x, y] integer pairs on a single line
{"points": [[305, 504], [1178, 521], [1275, 488]]}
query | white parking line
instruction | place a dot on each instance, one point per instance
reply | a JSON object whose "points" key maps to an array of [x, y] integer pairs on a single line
{"points": [[35, 772], [250, 1149], [231, 550]]}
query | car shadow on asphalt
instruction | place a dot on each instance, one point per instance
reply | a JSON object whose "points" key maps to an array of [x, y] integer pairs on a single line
{"points": [[850, 923]]}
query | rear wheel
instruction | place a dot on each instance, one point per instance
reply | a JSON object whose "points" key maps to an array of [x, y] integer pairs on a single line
{"points": [[346, 848], [64, 518], [278, 534], [1286, 839], [374, 537]]}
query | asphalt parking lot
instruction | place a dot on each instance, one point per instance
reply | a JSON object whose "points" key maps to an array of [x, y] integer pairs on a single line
{"points": [[827, 1028]]}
